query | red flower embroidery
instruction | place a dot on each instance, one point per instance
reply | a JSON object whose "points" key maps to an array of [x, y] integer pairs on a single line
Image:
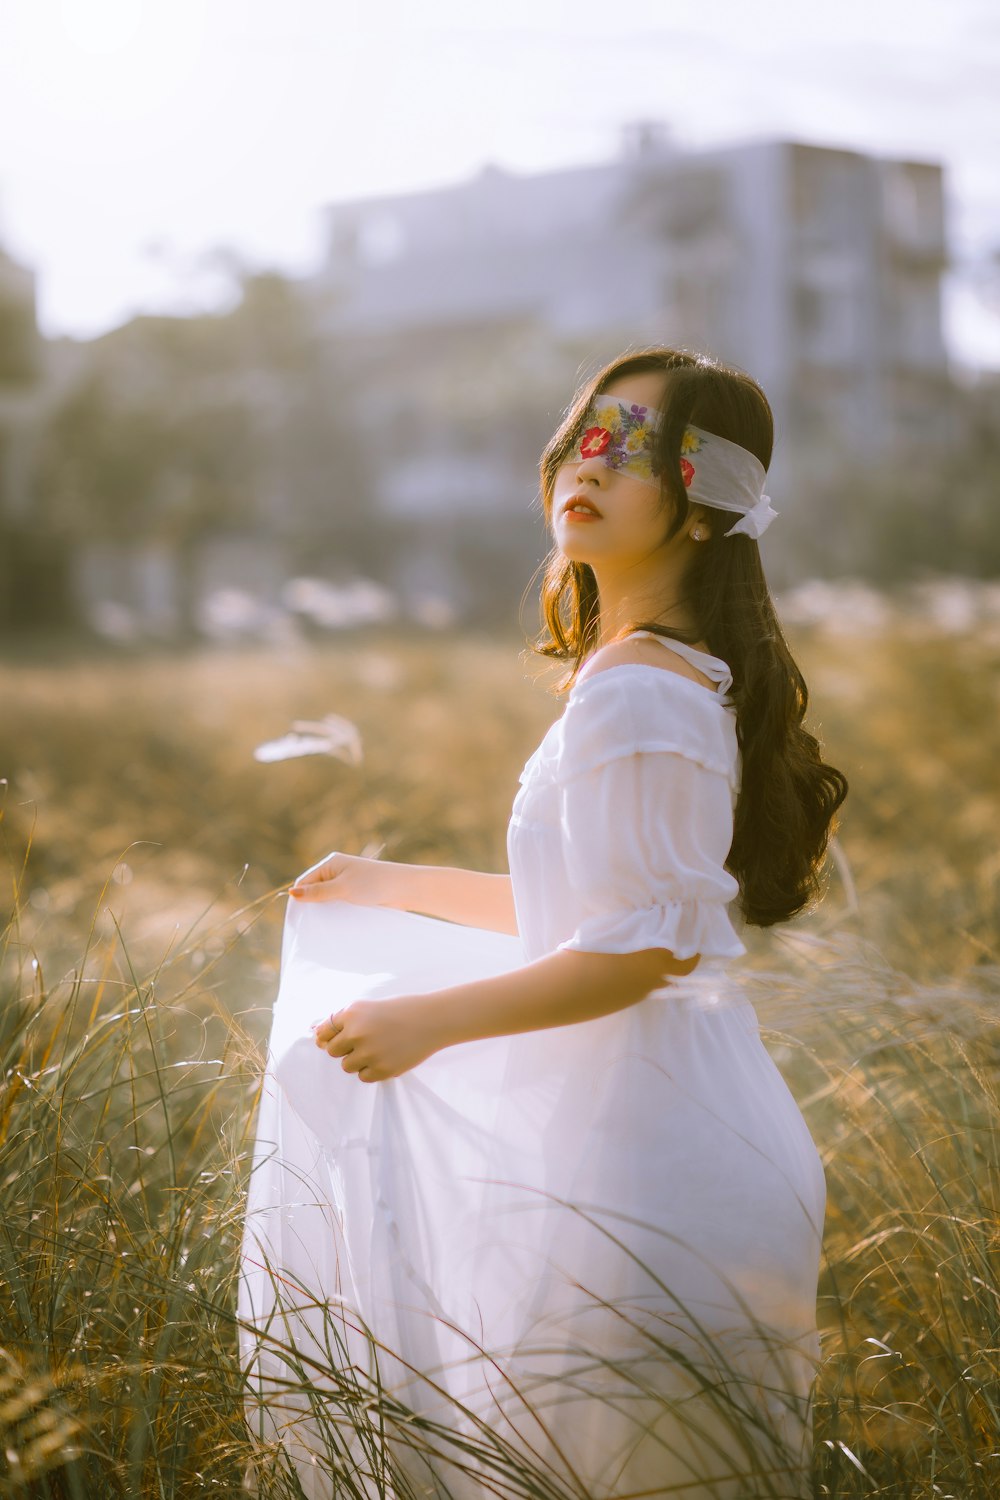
{"points": [[594, 441], [687, 473]]}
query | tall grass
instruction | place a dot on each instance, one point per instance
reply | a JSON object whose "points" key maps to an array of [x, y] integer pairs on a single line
{"points": [[143, 851]]}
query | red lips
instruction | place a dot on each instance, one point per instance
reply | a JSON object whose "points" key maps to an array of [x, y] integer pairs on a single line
{"points": [[580, 500]]}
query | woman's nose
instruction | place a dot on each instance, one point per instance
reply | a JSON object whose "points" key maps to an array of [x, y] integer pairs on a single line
{"points": [[591, 468]]}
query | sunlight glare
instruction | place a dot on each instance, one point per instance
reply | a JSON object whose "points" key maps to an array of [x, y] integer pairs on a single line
{"points": [[100, 26]]}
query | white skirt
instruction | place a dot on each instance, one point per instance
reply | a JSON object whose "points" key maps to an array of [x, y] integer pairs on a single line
{"points": [[590, 1251]]}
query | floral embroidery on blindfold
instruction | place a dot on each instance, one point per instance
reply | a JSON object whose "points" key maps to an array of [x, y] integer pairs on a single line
{"points": [[690, 443], [726, 476], [620, 433]]}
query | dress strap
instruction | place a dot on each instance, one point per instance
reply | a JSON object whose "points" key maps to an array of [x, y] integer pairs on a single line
{"points": [[712, 666]]}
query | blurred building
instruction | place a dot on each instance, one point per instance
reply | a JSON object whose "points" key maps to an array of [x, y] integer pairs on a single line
{"points": [[387, 415], [470, 312]]}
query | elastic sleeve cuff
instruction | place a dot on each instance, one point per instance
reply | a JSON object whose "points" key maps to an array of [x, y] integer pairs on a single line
{"points": [[685, 927]]}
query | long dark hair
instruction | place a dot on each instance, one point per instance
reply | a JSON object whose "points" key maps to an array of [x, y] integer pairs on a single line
{"points": [[789, 796]]}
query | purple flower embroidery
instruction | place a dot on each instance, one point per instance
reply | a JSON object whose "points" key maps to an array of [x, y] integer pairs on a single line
{"points": [[620, 433]]}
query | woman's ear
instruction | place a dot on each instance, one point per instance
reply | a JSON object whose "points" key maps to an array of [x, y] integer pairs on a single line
{"points": [[699, 527]]}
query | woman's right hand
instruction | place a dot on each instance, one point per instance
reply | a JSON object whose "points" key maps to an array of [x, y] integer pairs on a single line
{"points": [[349, 877]]}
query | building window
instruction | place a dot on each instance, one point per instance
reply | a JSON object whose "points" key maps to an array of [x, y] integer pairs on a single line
{"points": [[827, 312], [913, 208], [380, 238], [828, 198], [916, 316]]}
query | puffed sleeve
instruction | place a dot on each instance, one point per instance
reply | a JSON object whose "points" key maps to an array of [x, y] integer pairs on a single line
{"points": [[646, 793]]}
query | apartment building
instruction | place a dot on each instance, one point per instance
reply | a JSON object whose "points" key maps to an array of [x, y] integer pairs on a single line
{"points": [[470, 312]]}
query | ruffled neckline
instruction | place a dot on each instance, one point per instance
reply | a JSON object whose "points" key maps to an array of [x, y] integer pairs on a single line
{"points": [[712, 666], [719, 695]]}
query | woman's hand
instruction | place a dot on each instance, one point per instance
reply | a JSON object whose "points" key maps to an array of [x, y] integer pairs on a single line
{"points": [[349, 877], [378, 1039]]}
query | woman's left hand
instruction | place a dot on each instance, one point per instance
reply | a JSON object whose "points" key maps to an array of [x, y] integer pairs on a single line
{"points": [[378, 1039]]}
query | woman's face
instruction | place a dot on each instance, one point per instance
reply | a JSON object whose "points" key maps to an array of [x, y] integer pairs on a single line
{"points": [[631, 523]]}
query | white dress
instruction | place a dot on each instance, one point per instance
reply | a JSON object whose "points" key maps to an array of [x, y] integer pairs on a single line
{"points": [[598, 1242]]}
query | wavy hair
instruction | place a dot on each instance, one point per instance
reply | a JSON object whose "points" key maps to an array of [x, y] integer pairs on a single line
{"points": [[789, 796]]}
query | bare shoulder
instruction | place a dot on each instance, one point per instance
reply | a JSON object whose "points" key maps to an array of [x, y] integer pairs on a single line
{"points": [[640, 651]]}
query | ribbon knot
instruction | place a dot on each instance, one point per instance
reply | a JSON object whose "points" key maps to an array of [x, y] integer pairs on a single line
{"points": [[756, 520]]}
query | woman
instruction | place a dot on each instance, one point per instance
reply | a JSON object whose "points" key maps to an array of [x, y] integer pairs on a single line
{"points": [[578, 1221]]}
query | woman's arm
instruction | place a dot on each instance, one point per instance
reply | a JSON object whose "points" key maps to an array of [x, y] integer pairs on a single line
{"points": [[469, 897], [384, 1038], [556, 990]]}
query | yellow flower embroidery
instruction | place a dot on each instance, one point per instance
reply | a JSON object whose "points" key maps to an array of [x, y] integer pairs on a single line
{"points": [[690, 442]]}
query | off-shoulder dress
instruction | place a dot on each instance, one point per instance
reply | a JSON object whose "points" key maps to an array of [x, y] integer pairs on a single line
{"points": [[599, 1242]]}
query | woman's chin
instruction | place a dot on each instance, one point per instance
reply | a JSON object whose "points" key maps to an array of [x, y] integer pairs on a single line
{"points": [[577, 548]]}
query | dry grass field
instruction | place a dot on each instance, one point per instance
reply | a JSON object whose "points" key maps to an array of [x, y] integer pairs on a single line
{"points": [[144, 851]]}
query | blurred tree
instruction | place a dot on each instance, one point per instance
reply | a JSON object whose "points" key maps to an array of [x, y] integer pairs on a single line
{"points": [[20, 342], [944, 515], [98, 456], [925, 511], [181, 428]]}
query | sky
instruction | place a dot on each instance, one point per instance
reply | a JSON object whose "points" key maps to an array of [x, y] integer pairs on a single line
{"points": [[139, 138]]}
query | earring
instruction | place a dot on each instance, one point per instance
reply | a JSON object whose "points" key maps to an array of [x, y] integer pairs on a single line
{"points": [[698, 534]]}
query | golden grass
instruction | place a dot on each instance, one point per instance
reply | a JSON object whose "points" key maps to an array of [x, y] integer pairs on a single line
{"points": [[145, 849]]}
